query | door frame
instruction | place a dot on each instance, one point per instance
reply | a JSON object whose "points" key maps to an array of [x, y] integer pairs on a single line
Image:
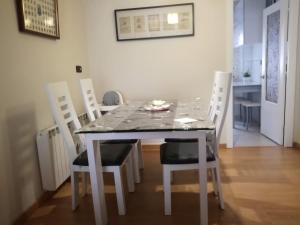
{"points": [[290, 76]]}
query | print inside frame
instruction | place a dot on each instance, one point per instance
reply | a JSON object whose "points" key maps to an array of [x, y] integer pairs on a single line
{"points": [[39, 17], [155, 22]]}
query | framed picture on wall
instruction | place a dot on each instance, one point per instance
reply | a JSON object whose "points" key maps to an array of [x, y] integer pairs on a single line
{"points": [[155, 22], [39, 17]]}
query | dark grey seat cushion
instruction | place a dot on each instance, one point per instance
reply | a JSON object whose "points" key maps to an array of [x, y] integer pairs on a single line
{"points": [[180, 140], [182, 153], [129, 141], [111, 155], [209, 138]]}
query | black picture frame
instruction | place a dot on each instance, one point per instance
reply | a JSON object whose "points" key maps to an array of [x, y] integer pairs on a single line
{"points": [[186, 18], [39, 17]]}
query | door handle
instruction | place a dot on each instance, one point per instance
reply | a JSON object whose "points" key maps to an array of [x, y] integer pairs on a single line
{"points": [[262, 77]]}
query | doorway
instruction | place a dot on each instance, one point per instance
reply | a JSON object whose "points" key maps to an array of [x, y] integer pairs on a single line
{"points": [[259, 72]]}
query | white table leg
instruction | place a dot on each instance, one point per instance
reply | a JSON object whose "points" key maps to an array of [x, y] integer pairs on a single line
{"points": [[96, 175], [203, 179]]}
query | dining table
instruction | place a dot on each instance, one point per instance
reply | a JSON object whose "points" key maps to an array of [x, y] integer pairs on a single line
{"points": [[187, 119]]}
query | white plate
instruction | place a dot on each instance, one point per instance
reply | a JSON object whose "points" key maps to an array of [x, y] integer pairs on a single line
{"points": [[158, 102], [157, 108]]}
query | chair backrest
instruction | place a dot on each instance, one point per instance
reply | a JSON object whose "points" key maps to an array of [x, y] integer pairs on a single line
{"points": [[64, 115], [113, 98], [213, 97], [89, 98], [121, 98], [222, 93]]}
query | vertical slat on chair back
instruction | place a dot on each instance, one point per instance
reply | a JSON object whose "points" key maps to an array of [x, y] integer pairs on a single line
{"points": [[213, 98], [223, 87], [90, 101], [64, 115]]}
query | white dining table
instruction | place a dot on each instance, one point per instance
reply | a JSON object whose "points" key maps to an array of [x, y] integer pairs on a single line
{"points": [[132, 121]]}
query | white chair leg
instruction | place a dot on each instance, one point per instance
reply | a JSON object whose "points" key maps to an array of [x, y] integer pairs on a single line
{"points": [[84, 180], [75, 189], [219, 184], [171, 177], [119, 191], [141, 159], [214, 181], [129, 173], [167, 189], [137, 177]]}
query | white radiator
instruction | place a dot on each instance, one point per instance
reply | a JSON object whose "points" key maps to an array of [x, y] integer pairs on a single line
{"points": [[53, 156]]}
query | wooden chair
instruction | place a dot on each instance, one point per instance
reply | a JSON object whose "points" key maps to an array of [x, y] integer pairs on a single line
{"points": [[183, 155], [113, 157], [93, 112]]}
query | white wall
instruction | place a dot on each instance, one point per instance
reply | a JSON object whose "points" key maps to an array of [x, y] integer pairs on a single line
{"points": [[162, 68], [27, 63], [297, 105], [253, 21], [229, 21], [176, 68]]}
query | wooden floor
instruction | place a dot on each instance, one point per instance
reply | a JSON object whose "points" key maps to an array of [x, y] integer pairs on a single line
{"points": [[261, 186]]}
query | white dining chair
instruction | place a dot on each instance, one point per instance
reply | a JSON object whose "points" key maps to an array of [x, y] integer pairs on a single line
{"points": [[93, 112], [113, 157], [210, 111], [213, 98], [212, 101], [183, 155]]}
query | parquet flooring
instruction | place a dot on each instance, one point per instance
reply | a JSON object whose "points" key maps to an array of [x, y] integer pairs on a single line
{"points": [[260, 185]]}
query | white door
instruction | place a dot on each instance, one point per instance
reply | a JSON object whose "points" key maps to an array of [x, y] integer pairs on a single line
{"points": [[275, 28], [274, 61]]}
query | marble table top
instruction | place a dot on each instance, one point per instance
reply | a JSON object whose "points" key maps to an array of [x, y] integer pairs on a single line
{"points": [[132, 117]]}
